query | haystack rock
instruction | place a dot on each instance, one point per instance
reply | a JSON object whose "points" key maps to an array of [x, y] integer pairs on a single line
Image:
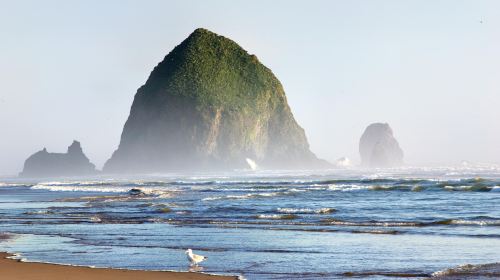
{"points": [[209, 105], [379, 148], [45, 164]]}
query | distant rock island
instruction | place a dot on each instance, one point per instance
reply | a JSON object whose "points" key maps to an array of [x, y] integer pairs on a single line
{"points": [[45, 164], [209, 105], [379, 148]]}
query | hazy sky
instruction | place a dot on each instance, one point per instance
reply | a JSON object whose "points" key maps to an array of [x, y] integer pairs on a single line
{"points": [[431, 69]]}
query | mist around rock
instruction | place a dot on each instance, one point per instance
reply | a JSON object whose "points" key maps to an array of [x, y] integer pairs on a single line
{"points": [[379, 148], [210, 105]]}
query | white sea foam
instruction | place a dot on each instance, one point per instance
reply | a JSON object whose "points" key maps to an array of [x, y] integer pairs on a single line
{"points": [[466, 188], [244, 196], [372, 223], [476, 222], [269, 216], [236, 189], [76, 188], [78, 183], [306, 210], [160, 192], [277, 216], [2, 184], [95, 219], [495, 189], [302, 189], [39, 212], [469, 271], [347, 187]]}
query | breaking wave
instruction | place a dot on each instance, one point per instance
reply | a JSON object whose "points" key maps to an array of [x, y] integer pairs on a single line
{"points": [[245, 196], [306, 210], [80, 188], [2, 184], [278, 217], [473, 222], [458, 222], [103, 187], [469, 271]]}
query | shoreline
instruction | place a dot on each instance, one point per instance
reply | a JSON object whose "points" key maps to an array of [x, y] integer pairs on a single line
{"points": [[12, 269]]}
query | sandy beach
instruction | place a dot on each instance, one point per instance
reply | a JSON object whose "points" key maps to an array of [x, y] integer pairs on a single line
{"points": [[15, 270]]}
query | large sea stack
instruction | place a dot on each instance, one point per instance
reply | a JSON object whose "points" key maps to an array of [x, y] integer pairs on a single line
{"points": [[45, 164], [209, 105], [379, 148]]}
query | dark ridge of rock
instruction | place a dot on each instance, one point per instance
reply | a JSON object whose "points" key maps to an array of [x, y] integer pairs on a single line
{"points": [[209, 105], [45, 164], [379, 148]]}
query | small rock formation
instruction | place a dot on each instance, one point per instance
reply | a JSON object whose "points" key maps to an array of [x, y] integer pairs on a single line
{"points": [[45, 164], [209, 105], [136, 192], [379, 148]]}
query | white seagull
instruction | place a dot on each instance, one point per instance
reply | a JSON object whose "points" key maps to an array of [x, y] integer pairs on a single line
{"points": [[193, 258]]}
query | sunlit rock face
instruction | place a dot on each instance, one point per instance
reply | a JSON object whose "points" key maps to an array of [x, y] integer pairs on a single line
{"points": [[45, 164], [379, 148], [209, 105]]}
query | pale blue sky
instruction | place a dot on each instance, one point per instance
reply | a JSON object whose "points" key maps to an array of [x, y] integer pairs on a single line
{"points": [[69, 70]]}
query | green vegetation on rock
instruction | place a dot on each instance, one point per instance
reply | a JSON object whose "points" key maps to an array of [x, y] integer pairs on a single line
{"points": [[210, 105]]}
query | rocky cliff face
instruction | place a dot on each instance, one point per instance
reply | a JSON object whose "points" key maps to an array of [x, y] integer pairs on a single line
{"points": [[379, 148], [210, 105], [45, 164]]}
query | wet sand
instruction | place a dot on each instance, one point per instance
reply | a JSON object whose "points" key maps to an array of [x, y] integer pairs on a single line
{"points": [[15, 270]]}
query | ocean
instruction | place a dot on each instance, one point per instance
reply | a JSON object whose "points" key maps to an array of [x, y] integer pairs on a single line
{"points": [[405, 223]]}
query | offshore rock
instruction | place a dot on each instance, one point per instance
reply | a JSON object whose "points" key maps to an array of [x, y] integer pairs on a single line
{"points": [[209, 105], [45, 164], [379, 148]]}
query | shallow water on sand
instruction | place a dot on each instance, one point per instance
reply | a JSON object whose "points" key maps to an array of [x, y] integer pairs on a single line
{"points": [[380, 224]]}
